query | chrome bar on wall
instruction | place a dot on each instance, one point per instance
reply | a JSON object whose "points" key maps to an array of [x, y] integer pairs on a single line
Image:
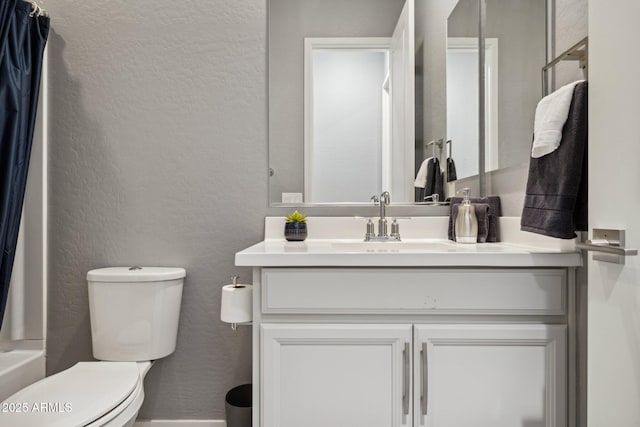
{"points": [[608, 246], [577, 52], [435, 143]]}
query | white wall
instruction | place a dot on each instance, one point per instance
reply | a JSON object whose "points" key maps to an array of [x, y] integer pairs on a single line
{"points": [[614, 291]]}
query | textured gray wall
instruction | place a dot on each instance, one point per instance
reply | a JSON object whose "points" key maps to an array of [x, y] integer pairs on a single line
{"points": [[157, 157], [571, 27]]}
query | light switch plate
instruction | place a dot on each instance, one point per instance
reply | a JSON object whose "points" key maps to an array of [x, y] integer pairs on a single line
{"points": [[291, 197]]}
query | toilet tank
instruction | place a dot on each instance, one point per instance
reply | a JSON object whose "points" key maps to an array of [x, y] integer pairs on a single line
{"points": [[134, 312]]}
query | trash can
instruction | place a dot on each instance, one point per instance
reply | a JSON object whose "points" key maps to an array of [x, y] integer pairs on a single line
{"points": [[238, 406]]}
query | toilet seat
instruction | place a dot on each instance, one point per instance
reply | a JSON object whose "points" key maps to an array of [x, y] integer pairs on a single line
{"points": [[78, 396]]}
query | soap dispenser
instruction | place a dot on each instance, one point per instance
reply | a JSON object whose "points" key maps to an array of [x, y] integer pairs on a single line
{"points": [[466, 222]]}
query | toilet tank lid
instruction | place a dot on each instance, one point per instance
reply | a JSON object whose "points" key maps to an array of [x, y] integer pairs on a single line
{"points": [[135, 274]]}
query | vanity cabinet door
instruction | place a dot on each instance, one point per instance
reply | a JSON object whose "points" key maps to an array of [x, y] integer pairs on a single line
{"points": [[490, 375], [336, 375]]}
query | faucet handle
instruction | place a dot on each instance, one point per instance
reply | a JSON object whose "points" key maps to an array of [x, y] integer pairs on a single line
{"points": [[395, 229], [371, 231], [374, 199]]}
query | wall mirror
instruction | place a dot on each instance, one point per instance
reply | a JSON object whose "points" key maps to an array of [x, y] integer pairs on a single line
{"points": [[357, 87], [340, 100], [515, 52]]}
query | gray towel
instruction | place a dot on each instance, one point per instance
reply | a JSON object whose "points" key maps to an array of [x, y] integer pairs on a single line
{"points": [[493, 210], [421, 192], [451, 170], [438, 185], [556, 197], [435, 182]]}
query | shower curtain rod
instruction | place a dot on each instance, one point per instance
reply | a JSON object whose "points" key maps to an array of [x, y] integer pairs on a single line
{"points": [[37, 10]]}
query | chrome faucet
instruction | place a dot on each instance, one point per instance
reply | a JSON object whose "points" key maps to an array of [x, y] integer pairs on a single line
{"points": [[383, 201], [435, 197]]}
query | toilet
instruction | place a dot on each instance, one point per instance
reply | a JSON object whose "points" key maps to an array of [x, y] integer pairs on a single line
{"points": [[134, 321]]}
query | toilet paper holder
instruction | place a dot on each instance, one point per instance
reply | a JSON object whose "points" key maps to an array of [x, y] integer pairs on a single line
{"points": [[236, 304]]}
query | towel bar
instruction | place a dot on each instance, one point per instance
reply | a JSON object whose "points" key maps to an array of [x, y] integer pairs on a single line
{"points": [[608, 245], [577, 52], [435, 143]]}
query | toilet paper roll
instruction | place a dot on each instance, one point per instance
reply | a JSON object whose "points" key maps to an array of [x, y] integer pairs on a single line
{"points": [[236, 303]]}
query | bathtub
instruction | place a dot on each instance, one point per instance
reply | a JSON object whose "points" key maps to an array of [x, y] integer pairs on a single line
{"points": [[20, 366]]}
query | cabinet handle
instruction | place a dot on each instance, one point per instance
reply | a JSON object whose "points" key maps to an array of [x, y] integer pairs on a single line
{"points": [[405, 379], [424, 378]]}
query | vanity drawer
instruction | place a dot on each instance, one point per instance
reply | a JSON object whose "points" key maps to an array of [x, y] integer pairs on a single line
{"points": [[414, 290]]}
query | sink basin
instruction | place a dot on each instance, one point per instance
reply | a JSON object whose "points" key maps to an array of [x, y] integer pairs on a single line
{"points": [[406, 247]]}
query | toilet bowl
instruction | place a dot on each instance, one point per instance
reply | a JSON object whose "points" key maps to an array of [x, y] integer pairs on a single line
{"points": [[134, 321]]}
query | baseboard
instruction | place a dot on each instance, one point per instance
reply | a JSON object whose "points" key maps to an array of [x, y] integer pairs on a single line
{"points": [[180, 423]]}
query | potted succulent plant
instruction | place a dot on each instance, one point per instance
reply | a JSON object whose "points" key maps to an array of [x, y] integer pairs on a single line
{"points": [[295, 227]]}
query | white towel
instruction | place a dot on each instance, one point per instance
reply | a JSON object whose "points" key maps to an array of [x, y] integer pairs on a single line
{"points": [[551, 115], [421, 176]]}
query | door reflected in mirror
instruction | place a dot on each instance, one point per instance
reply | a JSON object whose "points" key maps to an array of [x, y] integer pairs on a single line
{"points": [[462, 103], [347, 118]]}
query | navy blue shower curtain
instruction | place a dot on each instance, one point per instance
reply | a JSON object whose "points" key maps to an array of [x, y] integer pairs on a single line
{"points": [[22, 41]]}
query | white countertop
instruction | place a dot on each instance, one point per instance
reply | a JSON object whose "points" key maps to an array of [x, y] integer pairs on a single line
{"points": [[409, 253], [429, 249]]}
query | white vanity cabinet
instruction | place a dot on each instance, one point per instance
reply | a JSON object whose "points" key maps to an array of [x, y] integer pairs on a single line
{"points": [[496, 375], [439, 347], [336, 375]]}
